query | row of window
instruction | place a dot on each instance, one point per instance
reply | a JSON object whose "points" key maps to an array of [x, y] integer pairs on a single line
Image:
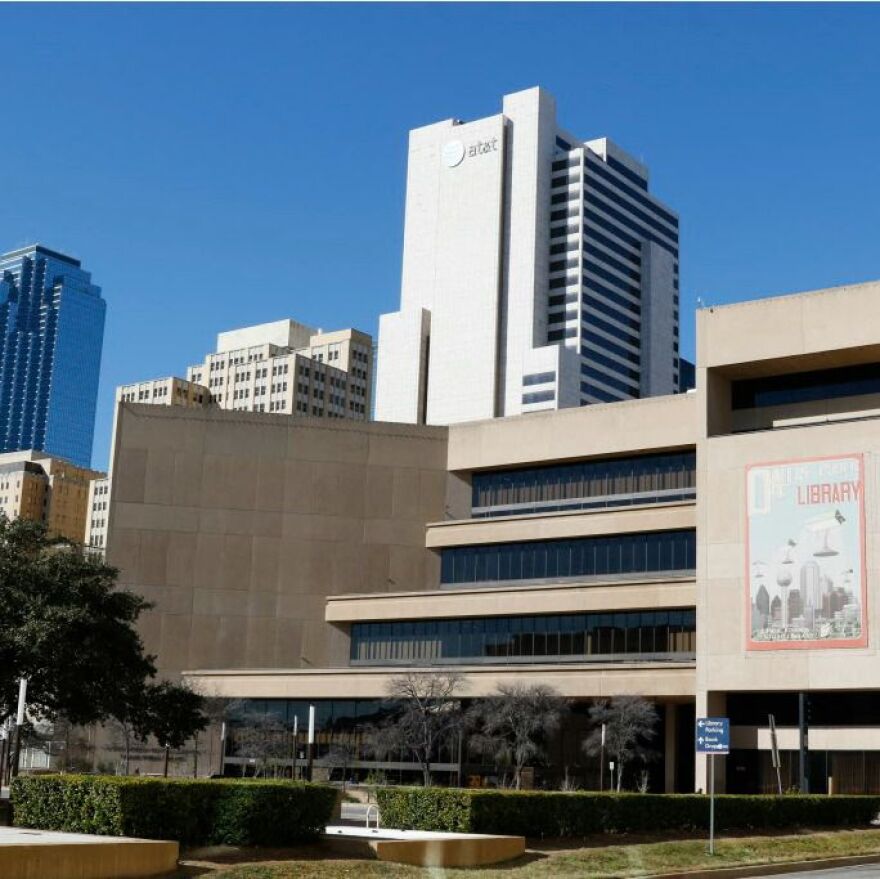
{"points": [[594, 196], [632, 326], [614, 246], [607, 380], [624, 287], [609, 296], [565, 180], [563, 264], [538, 397], [620, 555], [602, 343], [600, 394], [596, 165], [562, 298], [629, 635], [539, 378], [568, 162], [634, 273], [806, 387], [564, 281], [584, 484], [626, 172]]}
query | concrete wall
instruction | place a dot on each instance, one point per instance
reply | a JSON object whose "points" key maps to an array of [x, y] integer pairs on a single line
{"points": [[602, 430], [239, 525]]}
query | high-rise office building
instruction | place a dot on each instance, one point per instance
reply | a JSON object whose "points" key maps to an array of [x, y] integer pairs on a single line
{"points": [[51, 334], [538, 273]]}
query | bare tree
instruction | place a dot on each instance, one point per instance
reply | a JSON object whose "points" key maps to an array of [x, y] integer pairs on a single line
{"points": [[220, 711], [426, 715], [342, 752], [262, 737], [513, 724], [630, 725]]}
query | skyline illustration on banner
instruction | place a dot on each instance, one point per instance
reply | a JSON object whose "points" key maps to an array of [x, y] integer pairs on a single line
{"points": [[806, 579]]}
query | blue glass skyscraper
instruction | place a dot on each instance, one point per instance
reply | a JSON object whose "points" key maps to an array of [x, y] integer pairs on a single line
{"points": [[51, 334]]}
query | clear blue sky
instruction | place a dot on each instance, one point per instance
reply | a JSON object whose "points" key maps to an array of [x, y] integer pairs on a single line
{"points": [[220, 165]]}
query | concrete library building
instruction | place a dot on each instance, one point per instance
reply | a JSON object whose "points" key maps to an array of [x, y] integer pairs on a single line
{"points": [[714, 552]]}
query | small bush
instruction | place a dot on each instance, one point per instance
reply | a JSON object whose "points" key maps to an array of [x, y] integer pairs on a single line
{"points": [[193, 812], [581, 813]]}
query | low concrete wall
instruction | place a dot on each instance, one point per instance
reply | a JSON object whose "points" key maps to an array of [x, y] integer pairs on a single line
{"points": [[462, 851], [74, 856]]}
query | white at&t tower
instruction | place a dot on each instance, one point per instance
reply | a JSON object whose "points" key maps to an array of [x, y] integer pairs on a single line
{"points": [[538, 273]]}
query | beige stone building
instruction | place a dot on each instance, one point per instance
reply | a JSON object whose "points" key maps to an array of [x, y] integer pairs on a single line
{"points": [[713, 552], [282, 367], [39, 487]]}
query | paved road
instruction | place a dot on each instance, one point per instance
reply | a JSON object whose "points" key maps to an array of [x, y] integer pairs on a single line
{"points": [[860, 871]]}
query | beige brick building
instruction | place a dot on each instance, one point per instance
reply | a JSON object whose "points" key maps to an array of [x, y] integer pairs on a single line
{"points": [[282, 367], [36, 486]]}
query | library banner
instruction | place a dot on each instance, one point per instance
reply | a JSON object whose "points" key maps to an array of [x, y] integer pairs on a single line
{"points": [[805, 554]]}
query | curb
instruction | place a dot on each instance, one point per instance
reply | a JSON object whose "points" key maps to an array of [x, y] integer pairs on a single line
{"points": [[772, 869]]}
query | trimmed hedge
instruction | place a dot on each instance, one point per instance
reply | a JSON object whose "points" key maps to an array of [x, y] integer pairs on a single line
{"points": [[194, 812], [578, 814]]}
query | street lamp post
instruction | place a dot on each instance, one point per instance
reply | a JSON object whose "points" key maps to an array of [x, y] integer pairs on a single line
{"points": [[4, 752], [311, 751], [19, 723]]}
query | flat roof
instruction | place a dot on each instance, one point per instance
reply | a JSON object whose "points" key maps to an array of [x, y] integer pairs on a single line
{"points": [[44, 251]]}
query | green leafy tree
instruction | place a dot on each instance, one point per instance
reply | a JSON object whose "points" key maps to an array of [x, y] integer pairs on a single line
{"points": [[66, 628], [173, 714]]}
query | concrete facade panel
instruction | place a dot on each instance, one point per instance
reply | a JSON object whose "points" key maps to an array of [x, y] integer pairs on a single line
{"points": [[273, 515]]}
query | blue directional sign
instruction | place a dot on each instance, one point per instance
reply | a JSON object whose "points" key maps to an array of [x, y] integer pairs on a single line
{"points": [[713, 735]]}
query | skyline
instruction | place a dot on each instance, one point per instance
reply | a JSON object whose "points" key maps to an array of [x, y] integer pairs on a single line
{"points": [[250, 134]]}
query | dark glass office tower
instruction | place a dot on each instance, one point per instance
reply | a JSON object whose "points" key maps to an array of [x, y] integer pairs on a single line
{"points": [[51, 334]]}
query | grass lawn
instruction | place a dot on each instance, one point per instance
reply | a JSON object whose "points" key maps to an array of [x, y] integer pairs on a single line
{"points": [[599, 856]]}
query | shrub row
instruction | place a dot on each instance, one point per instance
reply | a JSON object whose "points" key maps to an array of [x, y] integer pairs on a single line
{"points": [[557, 814], [194, 812]]}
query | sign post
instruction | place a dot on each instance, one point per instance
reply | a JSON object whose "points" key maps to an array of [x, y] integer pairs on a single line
{"points": [[712, 737]]}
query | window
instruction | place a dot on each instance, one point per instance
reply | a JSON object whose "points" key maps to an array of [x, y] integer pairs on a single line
{"points": [[539, 378], [585, 485], [598, 375], [538, 397], [626, 172], [611, 557], [806, 387], [596, 165], [601, 342], [596, 637]]}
